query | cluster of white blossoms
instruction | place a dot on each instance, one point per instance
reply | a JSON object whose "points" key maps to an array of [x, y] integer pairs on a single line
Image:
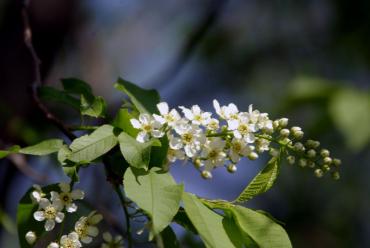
{"points": [[209, 142]]}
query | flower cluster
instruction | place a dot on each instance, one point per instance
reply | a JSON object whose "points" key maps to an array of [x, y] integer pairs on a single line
{"points": [[210, 142]]}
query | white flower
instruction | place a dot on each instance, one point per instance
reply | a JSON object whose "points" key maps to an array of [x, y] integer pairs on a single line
{"points": [[117, 242], [30, 237], [53, 245], [213, 153], [242, 128], [173, 155], [262, 145], [264, 122], [148, 126], [196, 115], [229, 112], [70, 241], [191, 139], [51, 212], [167, 116], [238, 148], [66, 197], [37, 194], [213, 124], [85, 227]]}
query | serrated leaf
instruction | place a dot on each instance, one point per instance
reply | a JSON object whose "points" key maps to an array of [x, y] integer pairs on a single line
{"points": [[144, 100], [264, 231], [50, 94], [25, 219], [13, 149], [208, 223], [43, 148], [89, 147], [95, 108], [262, 182], [136, 154], [122, 121], [156, 193], [350, 110]]}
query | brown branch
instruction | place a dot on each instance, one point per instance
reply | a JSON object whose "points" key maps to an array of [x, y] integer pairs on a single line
{"points": [[37, 82], [20, 162]]}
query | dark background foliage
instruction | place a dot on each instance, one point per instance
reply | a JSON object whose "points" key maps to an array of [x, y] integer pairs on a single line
{"points": [[306, 60]]}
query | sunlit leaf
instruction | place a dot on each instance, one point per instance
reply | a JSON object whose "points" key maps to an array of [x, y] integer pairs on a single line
{"points": [[156, 193], [262, 182], [43, 148]]}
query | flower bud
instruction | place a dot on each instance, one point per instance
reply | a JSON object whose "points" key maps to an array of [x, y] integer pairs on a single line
{"points": [[273, 152], [198, 163], [299, 147], [284, 132], [311, 164], [252, 156], [327, 160], [324, 153], [206, 174], [302, 162], [298, 134], [319, 173], [295, 129], [311, 153], [335, 175], [30, 237], [275, 124], [286, 141], [283, 122], [326, 168], [231, 168], [312, 144], [337, 162], [291, 160]]}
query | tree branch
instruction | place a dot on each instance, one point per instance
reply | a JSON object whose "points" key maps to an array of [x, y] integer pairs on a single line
{"points": [[37, 81]]}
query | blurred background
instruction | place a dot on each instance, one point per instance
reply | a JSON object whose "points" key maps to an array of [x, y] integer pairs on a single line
{"points": [[305, 60]]}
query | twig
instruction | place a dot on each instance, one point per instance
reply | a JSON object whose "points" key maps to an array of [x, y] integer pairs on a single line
{"points": [[210, 17], [127, 215], [37, 82], [20, 162]]}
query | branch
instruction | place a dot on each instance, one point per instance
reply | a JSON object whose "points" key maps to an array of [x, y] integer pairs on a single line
{"points": [[214, 10], [37, 82]]}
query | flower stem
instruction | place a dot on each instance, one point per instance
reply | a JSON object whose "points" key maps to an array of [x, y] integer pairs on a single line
{"points": [[125, 210]]}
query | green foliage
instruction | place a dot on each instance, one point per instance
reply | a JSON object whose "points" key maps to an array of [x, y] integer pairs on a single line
{"points": [[43, 148], [144, 100], [122, 121], [264, 231], [95, 108], [89, 147], [169, 238], [25, 219], [136, 154], [13, 149], [50, 94], [7, 223], [208, 223], [350, 111], [156, 193], [262, 182]]}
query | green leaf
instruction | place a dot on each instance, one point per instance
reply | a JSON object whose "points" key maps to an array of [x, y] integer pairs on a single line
{"points": [[207, 222], [7, 223], [136, 154], [122, 121], [13, 149], [95, 108], [43, 148], [169, 238], [158, 155], [350, 112], [156, 193], [183, 220], [144, 100], [264, 231], [78, 87], [72, 172], [89, 147], [25, 219], [47, 93], [262, 182], [237, 237]]}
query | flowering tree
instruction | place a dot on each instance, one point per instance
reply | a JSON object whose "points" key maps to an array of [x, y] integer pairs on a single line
{"points": [[137, 148]]}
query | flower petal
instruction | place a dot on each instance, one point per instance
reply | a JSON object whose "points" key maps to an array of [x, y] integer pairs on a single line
{"points": [[59, 217], [39, 215], [49, 225], [77, 194], [163, 108]]}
